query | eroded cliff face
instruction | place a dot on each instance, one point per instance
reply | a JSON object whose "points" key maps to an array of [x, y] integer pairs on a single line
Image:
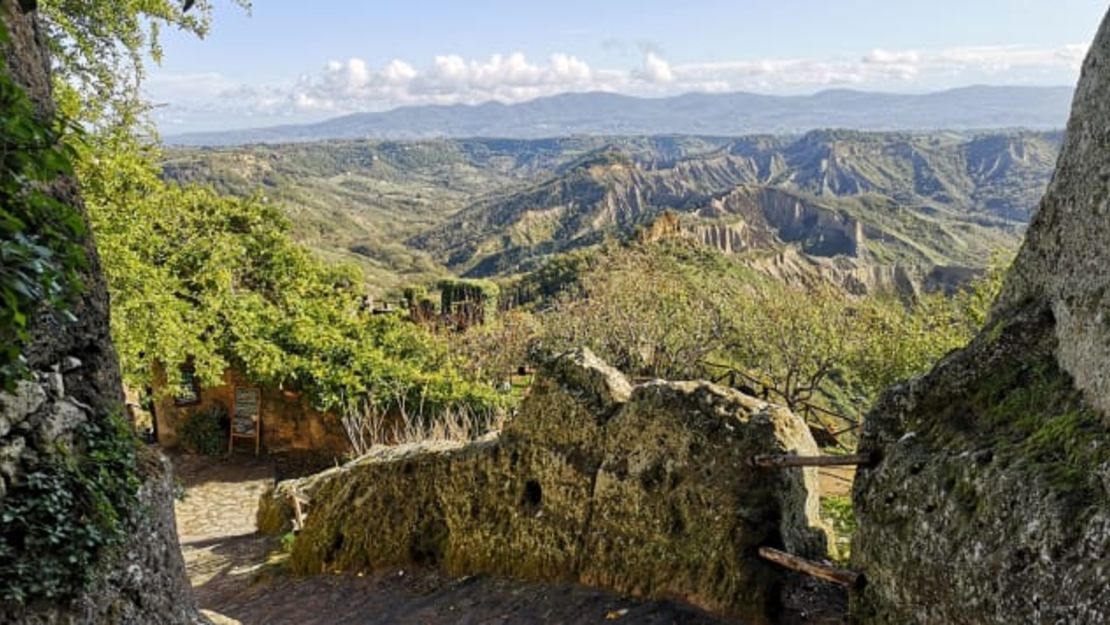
{"points": [[991, 501], [49, 422], [645, 490]]}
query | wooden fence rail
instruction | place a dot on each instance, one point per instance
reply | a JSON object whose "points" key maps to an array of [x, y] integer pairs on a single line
{"points": [[843, 577], [782, 461]]}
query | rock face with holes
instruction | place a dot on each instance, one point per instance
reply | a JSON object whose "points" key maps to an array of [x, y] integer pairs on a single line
{"points": [[644, 490], [991, 502]]}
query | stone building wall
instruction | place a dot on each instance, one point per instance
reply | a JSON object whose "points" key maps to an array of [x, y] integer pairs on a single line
{"points": [[289, 422]]}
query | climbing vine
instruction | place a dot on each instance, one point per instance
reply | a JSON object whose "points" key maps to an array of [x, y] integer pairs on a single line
{"points": [[56, 525], [39, 251]]}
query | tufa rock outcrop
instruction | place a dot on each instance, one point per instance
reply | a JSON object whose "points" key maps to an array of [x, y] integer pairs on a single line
{"points": [[991, 502], [46, 428], [644, 490]]}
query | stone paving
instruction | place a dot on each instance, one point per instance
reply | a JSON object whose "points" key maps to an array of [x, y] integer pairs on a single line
{"points": [[238, 578]]}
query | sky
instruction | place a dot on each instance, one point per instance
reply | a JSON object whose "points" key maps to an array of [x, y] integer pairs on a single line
{"points": [[287, 61]]}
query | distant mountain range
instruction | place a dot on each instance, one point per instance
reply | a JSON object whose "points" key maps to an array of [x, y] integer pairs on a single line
{"points": [[727, 114]]}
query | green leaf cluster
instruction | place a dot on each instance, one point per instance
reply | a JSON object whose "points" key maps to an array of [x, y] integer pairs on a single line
{"points": [[802, 344], [204, 432], [99, 47]]}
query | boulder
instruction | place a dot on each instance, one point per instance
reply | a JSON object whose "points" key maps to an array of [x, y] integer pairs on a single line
{"points": [[644, 490], [140, 583], [991, 499]]}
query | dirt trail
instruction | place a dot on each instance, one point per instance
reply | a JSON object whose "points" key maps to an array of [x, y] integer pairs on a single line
{"points": [[237, 576]]}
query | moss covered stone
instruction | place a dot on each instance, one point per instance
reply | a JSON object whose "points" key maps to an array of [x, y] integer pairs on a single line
{"points": [[645, 490], [991, 503]]}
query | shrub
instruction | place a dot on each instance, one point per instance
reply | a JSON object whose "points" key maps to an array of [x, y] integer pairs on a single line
{"points": [[204, 432]]}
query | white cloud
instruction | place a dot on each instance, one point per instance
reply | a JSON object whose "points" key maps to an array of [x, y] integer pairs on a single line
{"points": [[880, 56], [354, 85], [656, 70]]}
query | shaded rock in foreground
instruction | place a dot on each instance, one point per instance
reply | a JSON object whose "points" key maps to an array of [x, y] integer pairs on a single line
{"points": [[77, 382], [991, 503], [644, 490]]}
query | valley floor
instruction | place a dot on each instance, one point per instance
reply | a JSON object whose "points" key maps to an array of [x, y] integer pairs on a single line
{"points": [[238, 577]]}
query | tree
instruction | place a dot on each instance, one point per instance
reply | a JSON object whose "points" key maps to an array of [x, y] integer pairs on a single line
{"points": [[642, 313], [674, 310], [99, 48], [793, 339]]}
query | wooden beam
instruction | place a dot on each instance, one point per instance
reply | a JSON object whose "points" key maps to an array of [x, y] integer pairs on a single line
{"points": [[782, 461], [843, 577]]}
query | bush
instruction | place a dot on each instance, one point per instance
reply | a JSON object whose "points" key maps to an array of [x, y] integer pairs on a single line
{"points": [[204, 432]]}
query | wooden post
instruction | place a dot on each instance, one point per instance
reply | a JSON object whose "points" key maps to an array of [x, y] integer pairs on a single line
{"points": [[298, 512], [843, 577], [782, 461]]}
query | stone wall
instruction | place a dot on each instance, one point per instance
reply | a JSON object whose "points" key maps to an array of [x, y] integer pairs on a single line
{"points": [[991, 500], [289, 422], [644, 490], [76, 382]]}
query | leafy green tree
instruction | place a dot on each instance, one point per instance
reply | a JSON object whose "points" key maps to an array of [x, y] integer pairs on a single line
{"points": [[217, 281], [494, 351], [673, 310], [213, 280], [792, 339], [641, 311], [99, 47]]}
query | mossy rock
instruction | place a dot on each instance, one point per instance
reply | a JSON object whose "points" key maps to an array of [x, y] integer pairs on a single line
{"points": [[991, 502], [644, 490]]}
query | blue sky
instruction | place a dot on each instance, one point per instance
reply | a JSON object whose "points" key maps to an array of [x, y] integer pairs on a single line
{"points": [[292, 61]]}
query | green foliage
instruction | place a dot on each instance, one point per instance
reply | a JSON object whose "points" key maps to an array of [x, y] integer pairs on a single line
{"points": [[554, 277], [39, 234], [99, 46], [288, 539], [67, 512], [460, 290], [494, 351], [667, 330], [837, 511], [476, 299], [218, 281], [203, 432], [804, 344]]}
